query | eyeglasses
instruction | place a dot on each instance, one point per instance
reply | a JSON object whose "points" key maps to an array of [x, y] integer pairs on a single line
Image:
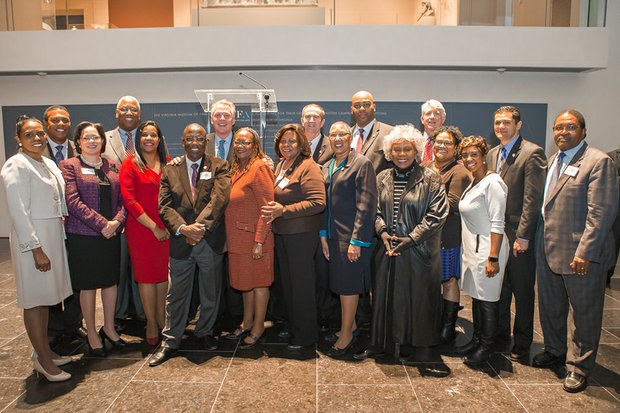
{"points": [[444, 143], [242, 143], [334, 135], [94, 138], [131, 109], [571, 127], [192, 138], [365, 104]]}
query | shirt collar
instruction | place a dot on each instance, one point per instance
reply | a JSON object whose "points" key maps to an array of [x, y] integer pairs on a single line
{"points": [[510, 144]]}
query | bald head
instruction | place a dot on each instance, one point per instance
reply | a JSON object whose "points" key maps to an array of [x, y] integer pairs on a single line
{"points": [[363, 108], [194, 141]]}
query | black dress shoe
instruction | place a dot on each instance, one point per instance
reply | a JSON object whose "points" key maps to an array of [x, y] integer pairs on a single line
{"points": [[119, 325], [208, 343], [118, 344], [294, 347], [546, 359], [284, 334], [163, 353], [80, 333], [575, 382], [369, 352], [335, 352], [519, 352]]}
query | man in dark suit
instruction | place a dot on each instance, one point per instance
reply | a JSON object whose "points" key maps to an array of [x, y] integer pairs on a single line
{"points": [[120, 144], [192, 198], [327, 303], [522, 165], [368, 132], [574, 247], [313, 120], [65, 319]]}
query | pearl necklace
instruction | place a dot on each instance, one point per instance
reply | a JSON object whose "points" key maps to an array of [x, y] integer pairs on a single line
{"points": [[95, 165]]}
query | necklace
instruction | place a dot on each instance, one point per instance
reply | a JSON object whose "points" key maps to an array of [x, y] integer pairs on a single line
{"points": [[95, 165]]}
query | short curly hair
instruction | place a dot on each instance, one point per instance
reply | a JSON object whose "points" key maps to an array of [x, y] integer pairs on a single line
{"points": [[407, 133], [474, 140]]}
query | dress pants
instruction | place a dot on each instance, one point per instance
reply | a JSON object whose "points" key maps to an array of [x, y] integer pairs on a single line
{"points": [[127, 288], [295, 257], [519, 280], [65, 317], [579, 298], [210, 266], [327, 303]]}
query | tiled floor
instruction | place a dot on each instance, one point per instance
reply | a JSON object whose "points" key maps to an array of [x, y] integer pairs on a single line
{"points": [[270, 379]]}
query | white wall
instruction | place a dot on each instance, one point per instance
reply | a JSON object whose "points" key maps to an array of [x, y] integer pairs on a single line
{"points": [[594, 93]]}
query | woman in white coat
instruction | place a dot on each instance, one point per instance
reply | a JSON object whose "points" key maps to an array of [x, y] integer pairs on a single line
{"points": [[485, 248], [36, 204]]}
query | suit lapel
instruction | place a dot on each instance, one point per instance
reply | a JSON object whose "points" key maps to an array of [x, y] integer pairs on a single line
{"points": [[184, 177], [493, 155], [373, 135], [511, 157], [205, 165], [117, 145], [576, 161]]}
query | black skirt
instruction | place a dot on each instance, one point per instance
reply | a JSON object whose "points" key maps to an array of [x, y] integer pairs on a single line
{"points": [[94, 261]]}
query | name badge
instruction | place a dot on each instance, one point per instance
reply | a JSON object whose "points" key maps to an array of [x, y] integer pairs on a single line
{"points": [[571, 170], [88, 171], [283, 183], [205, 175]]}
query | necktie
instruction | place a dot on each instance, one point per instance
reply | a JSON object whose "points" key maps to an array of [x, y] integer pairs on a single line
{"points": [[129, 146], [553, 180], [502, 159], [194, 179], [428, 151], [360, 141], [220, 149], [58, 156]]}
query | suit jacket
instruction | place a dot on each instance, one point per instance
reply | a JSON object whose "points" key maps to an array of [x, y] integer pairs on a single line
{"points": [[373, 146], [177, 206], [302, 193], [524, 174], [323, 151], [580, 211], [351, 201], [49, 152], [114, 148], [82, 195], [212, 151]]}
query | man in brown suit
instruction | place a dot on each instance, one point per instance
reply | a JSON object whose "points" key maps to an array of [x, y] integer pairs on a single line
{"points": [[573, 249], [192, 197]]}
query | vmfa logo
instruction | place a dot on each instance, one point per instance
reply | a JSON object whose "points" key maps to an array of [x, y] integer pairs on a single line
{"points": [[243, 114]]}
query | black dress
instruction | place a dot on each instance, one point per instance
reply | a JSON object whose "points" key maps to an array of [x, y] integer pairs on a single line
{"points": [[94, 261]]}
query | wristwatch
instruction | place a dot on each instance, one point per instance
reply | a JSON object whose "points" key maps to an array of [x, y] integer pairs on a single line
{"points": [[493, 259]]}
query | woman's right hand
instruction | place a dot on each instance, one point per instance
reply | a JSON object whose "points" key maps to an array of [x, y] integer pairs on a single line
{"points": [[41, 260], [110, 229], [387, 242], [160, 233], [325, 247]]}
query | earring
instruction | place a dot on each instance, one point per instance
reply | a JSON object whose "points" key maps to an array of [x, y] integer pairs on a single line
{"points": [[484, 162]]}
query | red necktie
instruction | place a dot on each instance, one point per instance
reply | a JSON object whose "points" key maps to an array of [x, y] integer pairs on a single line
{"points": [[360, 141], [428, 151], [129, 146]]}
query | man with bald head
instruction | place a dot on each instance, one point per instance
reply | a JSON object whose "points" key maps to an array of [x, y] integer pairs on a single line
{"points": [[368, 132], [192, 197], [433, 117]]}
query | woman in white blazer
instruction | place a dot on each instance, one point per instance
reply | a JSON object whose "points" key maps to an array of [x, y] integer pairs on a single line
{"points": [[36, 204]]}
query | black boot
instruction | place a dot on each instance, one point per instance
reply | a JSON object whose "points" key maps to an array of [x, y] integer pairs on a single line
{"points": [[490, 316], [449, 317], [473, 344]]}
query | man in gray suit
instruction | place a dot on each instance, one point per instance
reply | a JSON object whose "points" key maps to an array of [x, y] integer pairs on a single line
{"points": [[368, 132], [522, 165], [120, 144], [574, 247], [65, 318]]}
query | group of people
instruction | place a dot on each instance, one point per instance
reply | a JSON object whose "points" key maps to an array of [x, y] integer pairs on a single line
{"points": [[368, 223]]}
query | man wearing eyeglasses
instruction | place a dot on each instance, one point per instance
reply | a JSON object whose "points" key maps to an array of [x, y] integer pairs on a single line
{"points": [[574, 246], [120, 143], [192, 198], [522, 165], [433, 117]]}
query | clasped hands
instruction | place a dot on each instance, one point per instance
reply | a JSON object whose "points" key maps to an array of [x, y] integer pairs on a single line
{"points": [[110, 229], [403, 243], [193, 233]]}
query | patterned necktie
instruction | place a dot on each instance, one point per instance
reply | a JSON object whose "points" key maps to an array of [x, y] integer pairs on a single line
{"points": [[129, 146], [553, 180], [58, 156], [360, 141], [194, 179], [428, 151], [220, 149], [502, 159]]}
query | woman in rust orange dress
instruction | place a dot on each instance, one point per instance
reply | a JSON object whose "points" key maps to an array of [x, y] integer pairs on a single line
{"points": [[248, 235]]}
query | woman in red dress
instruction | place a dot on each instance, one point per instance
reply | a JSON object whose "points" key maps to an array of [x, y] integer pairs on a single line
{"points": [[147, 237]]}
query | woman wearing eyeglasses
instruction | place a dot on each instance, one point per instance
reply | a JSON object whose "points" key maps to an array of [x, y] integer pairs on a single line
{"points": [[249, 239], [96, 217]]}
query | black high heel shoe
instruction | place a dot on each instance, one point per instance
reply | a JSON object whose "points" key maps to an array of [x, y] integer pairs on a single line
{"points": [[118, 344], [336, 352], [96, 352]]}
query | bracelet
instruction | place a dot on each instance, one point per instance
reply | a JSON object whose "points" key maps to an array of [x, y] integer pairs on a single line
{"points": [[493, 259], [259, 243]]}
